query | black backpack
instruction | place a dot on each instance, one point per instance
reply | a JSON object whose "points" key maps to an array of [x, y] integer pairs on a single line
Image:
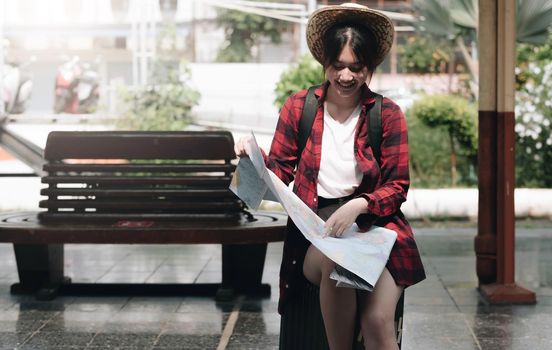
{"points": [[309, 112]]}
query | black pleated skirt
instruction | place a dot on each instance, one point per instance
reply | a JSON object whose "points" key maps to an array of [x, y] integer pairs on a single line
{"points": [[302, 326]]}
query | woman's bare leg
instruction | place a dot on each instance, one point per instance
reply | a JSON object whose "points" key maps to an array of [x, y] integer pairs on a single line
{"points": [[338, 304], [377, 313]]}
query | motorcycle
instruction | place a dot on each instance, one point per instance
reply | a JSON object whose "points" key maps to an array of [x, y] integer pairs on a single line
{"points": [[77, 88], [17, 87]]}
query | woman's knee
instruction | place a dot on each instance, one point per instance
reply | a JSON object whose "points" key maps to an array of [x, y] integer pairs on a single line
{"points": [[377, 324], [316, 265]]}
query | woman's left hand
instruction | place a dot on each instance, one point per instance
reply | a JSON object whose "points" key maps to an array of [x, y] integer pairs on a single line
{"points": [[344, 217]]}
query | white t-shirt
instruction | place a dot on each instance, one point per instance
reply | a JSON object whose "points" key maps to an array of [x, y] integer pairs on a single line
{"points": [[339, 174]]}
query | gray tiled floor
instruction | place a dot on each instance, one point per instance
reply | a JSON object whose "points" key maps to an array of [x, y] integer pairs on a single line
{"points": [[443, 312]]}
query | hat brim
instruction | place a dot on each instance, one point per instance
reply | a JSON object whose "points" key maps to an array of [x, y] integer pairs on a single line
{"points": [[324, 18]]}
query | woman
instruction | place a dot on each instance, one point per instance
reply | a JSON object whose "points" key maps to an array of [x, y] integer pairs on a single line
{"points": [[339, 177]]}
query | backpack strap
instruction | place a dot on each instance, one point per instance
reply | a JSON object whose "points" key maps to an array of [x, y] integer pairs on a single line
{"points": [[307, 119], [376, 131]]}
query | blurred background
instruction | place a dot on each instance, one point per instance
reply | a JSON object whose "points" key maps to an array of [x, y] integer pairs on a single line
{"points": [[190, 64]]}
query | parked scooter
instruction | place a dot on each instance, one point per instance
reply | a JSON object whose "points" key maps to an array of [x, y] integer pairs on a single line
{"points": [[17, 87], [77, 88]]}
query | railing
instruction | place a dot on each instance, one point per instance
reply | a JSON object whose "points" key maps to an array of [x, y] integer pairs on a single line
{"points": [[27, 152]]}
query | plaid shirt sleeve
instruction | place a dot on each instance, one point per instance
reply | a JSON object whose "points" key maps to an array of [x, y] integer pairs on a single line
{"points": [[395, 179], [283, 151]]}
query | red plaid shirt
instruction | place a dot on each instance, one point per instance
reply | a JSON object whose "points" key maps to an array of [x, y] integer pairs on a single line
{"points": [[384, 187]]}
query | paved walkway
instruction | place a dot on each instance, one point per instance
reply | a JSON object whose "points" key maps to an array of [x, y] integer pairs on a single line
{"points": [[443, 312]]}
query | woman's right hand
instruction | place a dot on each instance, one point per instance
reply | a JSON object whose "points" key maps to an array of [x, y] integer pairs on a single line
{"points": [[241, 146]]}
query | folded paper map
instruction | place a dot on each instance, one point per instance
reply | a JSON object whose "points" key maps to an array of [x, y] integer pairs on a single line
{"points": [[360, 256]]}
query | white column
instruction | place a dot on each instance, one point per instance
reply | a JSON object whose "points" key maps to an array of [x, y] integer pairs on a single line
{"points": [[143, 16], [133, 19], [311, 7], [184, 10], [104, 11], [2, 12], [10, 12]]}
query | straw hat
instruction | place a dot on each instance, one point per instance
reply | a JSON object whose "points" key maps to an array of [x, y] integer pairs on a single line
{"points": [[324, 18]]}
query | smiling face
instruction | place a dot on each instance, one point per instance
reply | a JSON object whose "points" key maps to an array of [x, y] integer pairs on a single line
{"points": [[347, 75], [349, 52]]}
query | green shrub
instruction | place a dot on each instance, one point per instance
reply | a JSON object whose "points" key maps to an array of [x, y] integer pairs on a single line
{"points": [[301, 75], [423, 54], [443, 133], [429, 164], [166, 104]]}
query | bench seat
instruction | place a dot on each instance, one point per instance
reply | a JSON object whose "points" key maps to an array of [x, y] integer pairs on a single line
{"points": [[123, 187]]}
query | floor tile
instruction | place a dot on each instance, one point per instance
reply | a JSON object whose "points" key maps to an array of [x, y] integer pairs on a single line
{"points": [[443, 312], [111, 340], [11, 340], [125, 277], [152, 304], [253, 341], [187, 341], [55, 339]]}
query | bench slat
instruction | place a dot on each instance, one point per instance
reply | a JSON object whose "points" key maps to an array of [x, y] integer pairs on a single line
{"points": [[144, 205], [183, 168], [146, 180], [132, 193], [102, 217], [139, 145]]}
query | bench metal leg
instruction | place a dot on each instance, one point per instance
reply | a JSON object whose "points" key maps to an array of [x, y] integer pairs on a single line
{"points": [[40, 269], [242, 270]]}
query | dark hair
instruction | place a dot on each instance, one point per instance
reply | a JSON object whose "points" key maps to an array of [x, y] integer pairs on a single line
{"points": [[360, 39]]}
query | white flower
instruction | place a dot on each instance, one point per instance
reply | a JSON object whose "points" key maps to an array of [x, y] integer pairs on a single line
{"points": [[526, 118], [538, 145], [535, 69], [536, 118]]}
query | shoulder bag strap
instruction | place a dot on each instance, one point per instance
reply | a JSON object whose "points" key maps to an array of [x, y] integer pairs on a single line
{"points": [[376, 130], [307, 119]]}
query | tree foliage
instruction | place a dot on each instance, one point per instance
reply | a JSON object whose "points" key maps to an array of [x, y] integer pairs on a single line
{"points": [[305, 73], [449, 17], [457, 20], [533, 20], [422, 54], [243, 31], [166, 104]]}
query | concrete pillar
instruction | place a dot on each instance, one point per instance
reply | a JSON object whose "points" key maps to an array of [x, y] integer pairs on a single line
{"points": [[495, 241], [2, 11]]}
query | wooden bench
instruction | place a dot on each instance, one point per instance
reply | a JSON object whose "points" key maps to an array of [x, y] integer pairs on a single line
{"points": [[140, 188]]}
